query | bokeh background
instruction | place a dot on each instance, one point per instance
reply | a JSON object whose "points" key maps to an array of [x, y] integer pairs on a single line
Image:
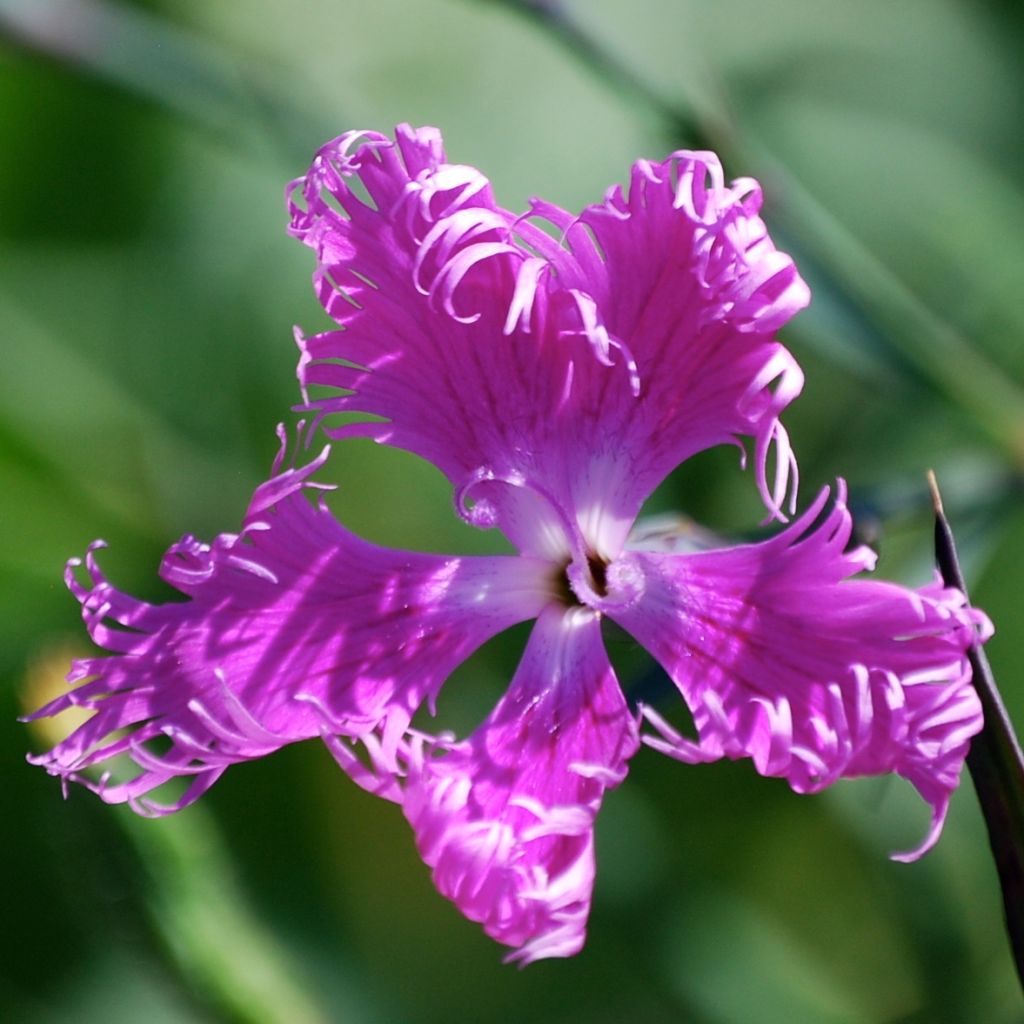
{"points": [[147, 297]]}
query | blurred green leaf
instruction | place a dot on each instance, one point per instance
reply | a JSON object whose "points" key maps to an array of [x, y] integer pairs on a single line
{"points": [[783, 981], [152, 58], [216, 940]]}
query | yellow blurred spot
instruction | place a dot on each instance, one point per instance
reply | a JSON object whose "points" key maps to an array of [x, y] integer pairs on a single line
{"points": [[46, 679]]}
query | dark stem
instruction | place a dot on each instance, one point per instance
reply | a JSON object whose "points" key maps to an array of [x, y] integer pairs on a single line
{"points": [[995, 761]]}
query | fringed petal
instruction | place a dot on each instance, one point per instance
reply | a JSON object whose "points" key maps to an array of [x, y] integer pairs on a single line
{"points": [[590, 365], [292, 621], [686, 278], [436, 299], [506, 818], [781, 658]]}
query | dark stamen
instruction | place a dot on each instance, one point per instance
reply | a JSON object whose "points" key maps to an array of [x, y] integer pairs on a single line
{"points": [[565, 591], [598, 569], [598, 573]]}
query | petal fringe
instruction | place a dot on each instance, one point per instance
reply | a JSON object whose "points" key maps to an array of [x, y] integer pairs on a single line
{"points": [[290, 623], [505, 819], [591, 364], [783, 659]]}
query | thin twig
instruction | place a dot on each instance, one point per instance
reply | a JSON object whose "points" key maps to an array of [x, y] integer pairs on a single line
{"points": [[995, 760]]}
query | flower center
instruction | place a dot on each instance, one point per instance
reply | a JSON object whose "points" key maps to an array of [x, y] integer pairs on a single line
{"points": [[584, 582]]}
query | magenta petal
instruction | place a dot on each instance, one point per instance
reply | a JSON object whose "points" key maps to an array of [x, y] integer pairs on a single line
{"points": [[506, 817], [685, 279], [589, 368], [783, 659], [294, 628], [419, 267]]}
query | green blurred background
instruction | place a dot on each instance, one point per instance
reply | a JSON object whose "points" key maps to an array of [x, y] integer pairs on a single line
{"points": [[147, 297]]}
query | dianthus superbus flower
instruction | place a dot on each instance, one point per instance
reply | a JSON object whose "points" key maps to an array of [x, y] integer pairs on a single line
{"points": [[555, 368]]}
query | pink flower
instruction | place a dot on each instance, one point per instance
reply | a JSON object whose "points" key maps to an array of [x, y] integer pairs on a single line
{"points": [[556, 375]]}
